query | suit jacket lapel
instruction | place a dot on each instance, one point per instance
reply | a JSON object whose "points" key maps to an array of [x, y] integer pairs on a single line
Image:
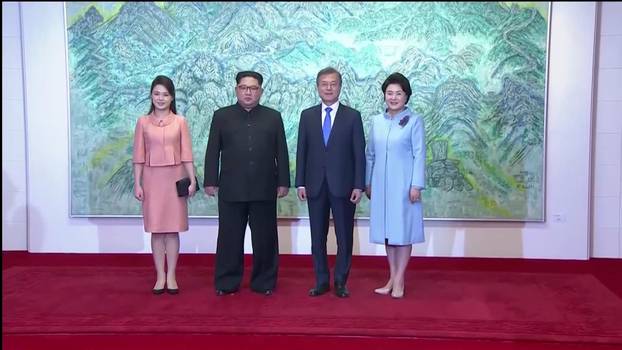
{"points": [[338, 120], [317, 122]]}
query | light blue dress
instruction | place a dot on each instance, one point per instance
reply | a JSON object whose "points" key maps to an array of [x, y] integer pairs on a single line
{"points": [[395, 162]]}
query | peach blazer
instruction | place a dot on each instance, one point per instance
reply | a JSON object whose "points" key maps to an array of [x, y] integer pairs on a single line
{"points": [[159, 145]]}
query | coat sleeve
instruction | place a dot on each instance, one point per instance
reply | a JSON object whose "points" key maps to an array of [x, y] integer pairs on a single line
{"points": [[212, 154], [301, 153], [138, 154], [370, 155], [358, 140], [186, 142], [418, 153], [282, 156]]}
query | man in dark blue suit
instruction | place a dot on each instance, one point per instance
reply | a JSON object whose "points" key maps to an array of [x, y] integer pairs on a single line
{"points": [[330, 175]]}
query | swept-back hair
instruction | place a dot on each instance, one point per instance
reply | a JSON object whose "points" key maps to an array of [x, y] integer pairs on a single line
{"points": [[327, 71], [170, 87], [249, 73]]}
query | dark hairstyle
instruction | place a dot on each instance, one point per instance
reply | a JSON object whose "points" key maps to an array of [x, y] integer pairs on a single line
{"points": [[327, 71], [401, 80], [249, 73], [170, 87]]}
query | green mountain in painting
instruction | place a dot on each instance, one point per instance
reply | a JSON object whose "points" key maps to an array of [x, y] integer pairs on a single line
{"points": [[478, 72]]}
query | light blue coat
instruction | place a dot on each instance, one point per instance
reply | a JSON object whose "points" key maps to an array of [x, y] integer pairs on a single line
{"points": [[395, 162]]}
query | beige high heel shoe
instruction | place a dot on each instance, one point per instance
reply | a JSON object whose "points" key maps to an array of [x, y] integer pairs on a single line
{"points": [[397, 295], [383, 291]]}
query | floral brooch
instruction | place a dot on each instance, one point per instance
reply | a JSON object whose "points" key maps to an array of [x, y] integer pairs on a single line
{"points": [[404, 121]]}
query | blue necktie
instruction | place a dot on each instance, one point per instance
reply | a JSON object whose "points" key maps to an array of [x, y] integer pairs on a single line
{"points": [[326, 126]]}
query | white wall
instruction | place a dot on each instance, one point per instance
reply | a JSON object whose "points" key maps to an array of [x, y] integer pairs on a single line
{"points": [[567, 176], [14, 222], [607, 198]]}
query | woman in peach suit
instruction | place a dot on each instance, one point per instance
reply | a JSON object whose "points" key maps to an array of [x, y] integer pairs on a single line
{"points": [[163, 155]]}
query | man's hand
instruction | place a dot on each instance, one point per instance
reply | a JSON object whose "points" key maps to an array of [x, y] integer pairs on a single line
{"points": [[211, 190], [356, 196], [302, 194], [281, 191]]}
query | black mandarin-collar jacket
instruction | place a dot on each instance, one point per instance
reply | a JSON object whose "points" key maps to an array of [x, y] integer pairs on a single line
{"points": [[251, 151]]}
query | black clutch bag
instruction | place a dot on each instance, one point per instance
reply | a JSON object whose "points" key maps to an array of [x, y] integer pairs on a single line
{"points": [[183, 184]]}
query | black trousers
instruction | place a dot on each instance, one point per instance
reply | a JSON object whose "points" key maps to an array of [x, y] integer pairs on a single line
{"points": [[233, 218], [343, 216]]}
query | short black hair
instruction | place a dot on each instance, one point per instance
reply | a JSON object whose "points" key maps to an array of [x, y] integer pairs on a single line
{"points": [[327, 71], [401, 80], [249, 73]]}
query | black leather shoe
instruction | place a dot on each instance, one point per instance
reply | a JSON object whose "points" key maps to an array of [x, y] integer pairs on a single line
{"points": [[265, 292], [319, 290], [172, 291], [341, 291], [221, 292], [157, 291]]}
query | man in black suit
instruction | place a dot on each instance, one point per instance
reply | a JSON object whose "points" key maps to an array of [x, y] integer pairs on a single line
{"points": [[330, 175], [247, 143]]}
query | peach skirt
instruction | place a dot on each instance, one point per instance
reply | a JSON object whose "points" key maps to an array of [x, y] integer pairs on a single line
{"points": [[163, 211]]}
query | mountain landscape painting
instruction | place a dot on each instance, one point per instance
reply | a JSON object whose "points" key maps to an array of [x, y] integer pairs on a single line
{"points": [[477, 69]]}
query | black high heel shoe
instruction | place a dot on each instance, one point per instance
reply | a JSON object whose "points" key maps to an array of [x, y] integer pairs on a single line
{"points": [[157, 291], [172, 291]]}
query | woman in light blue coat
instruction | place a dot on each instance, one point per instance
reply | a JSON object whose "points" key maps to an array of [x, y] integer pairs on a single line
{"points": [[395, 177]]}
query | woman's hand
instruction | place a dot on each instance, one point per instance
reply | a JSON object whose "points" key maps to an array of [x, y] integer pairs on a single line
{"points": [[138, 192], [192, 189], [414, 195]]}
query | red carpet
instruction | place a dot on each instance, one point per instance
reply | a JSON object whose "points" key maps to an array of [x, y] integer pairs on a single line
{"points": [[440, 303]]}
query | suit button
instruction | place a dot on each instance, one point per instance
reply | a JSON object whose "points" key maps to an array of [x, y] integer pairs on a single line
{"points": [[250, 149]]}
